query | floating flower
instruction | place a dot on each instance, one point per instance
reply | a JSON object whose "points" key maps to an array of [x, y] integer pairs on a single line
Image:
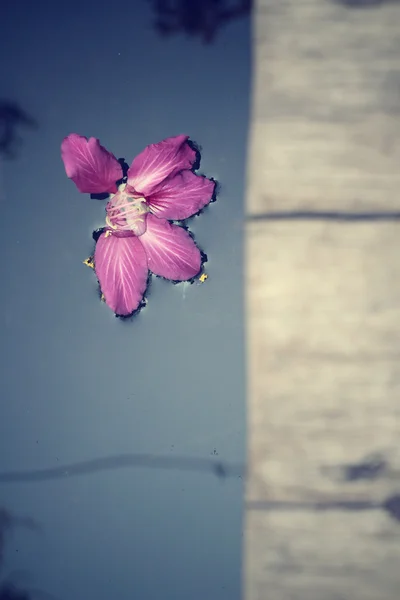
{"points": [[160, 186]]}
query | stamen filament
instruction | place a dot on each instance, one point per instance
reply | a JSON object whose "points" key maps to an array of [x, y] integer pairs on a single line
{"points": [[123, 215]]}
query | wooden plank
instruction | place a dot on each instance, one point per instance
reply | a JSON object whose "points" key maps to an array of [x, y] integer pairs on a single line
{"points": [[323, 305], [326, 110]]}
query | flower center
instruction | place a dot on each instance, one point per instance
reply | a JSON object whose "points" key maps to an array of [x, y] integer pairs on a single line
{"points": [[126, 213]]}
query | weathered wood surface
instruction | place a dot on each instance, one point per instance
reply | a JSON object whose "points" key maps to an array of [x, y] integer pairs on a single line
{"points": [[326, 112], [323, 303]]}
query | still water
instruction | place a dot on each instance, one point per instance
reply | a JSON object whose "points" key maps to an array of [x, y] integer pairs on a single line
{"points": [[78, 384]]}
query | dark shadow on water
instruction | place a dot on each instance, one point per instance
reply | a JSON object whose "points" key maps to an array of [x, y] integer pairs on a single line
{"points": [[123, 461], [9, 592], [12, 117], [201, 18], [8, 521]]}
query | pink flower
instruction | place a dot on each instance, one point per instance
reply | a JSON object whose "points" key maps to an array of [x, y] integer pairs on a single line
{"points": [[160, 186]]}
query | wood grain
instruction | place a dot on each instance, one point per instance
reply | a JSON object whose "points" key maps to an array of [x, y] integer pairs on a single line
{"points": [[326, 107], [323, 304]]}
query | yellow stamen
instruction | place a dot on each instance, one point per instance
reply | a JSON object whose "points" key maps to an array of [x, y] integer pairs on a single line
{"points": [[203, 277], [89, 262]]}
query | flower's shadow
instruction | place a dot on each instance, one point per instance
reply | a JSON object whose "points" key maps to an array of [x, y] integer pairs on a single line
{"points": [[97, 233]]}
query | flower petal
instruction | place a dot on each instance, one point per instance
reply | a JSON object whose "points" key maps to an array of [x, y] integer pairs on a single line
{"points": [[91, 167], [121, 267], [170, 250], [159, 161], [181, 196]]}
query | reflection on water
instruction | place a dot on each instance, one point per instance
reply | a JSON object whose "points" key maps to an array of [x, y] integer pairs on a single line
{"points": [[8, 590], [201, 18], [123, 461], [12, 116]]}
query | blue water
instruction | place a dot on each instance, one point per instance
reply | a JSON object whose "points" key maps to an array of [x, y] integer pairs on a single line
{"points": [[77, 383]]}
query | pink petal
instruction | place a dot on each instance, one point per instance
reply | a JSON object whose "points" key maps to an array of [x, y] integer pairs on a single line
{"points": [[93, 169], [170, 250], [121, 267], [181, 196], [159, 161]]}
